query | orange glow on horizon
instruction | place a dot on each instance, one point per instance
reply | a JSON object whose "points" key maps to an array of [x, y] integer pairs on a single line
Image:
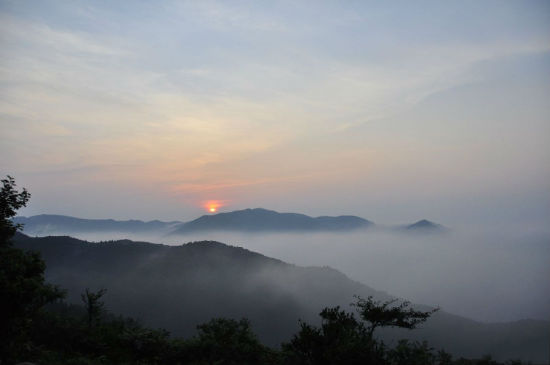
{"points": [[212, 206]]}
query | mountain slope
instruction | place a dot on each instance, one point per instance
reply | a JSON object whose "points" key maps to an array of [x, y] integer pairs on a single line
{"points": [[256, 220], [180, 286], [46, 224]]}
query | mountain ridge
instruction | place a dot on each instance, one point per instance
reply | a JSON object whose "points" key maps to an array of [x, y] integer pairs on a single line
{"points": [[245, 220], [55, 223], [260, 219]]}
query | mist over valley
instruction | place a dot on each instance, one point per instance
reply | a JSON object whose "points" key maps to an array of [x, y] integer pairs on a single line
{"points": [[490, 274], [178, 287]]}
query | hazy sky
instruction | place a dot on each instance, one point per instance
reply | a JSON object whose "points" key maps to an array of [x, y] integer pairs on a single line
{"points": [[393, 111]]}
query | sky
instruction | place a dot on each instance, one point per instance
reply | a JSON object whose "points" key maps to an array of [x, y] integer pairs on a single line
{"points": [[393, 111]]}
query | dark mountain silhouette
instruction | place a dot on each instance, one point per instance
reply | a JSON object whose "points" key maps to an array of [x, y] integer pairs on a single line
{"points": [[246, 220], [46, 224], [177, 287], [257, 220], [424, 226]]}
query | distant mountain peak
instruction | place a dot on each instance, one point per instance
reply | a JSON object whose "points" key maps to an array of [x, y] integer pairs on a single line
{"points": [[261, 219], [424, 223], [426, 226]]}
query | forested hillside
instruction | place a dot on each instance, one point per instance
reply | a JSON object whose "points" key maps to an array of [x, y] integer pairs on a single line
{"points": [[179, 287]]}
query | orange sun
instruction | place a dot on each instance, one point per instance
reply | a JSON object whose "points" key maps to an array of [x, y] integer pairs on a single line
{"points": [[212, 206]]}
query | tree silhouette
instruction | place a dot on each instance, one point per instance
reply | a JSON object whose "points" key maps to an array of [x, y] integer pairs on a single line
{"points": [[10, 201], [93, 305], [227, 341], [385, 314], [22, 287], [341, 339]]}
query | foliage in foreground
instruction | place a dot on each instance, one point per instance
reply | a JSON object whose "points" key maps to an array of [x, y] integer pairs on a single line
{"points": [[62, 336], [22, 286]]}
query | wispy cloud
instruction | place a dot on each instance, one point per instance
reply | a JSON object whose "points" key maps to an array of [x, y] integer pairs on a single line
{"points": [[212, 96]]}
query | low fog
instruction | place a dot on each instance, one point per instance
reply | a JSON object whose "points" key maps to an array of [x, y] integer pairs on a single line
{"points": [[484, 275]]}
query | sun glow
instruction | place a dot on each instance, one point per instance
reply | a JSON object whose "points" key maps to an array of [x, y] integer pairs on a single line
{"points": [[212, 206]]}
